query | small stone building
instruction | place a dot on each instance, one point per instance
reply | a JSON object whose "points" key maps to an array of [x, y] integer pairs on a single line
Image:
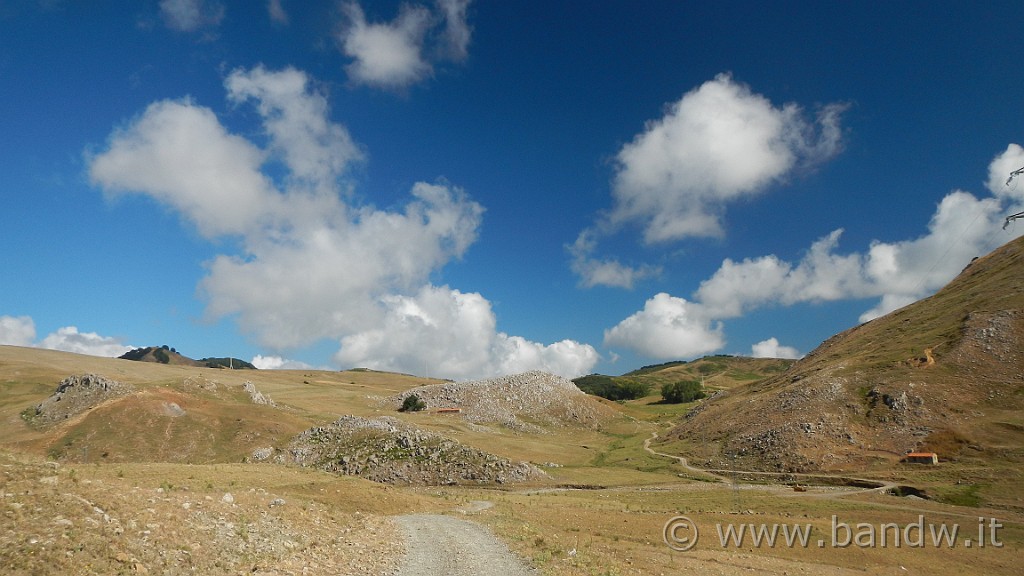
{"points": [[921, 458]]}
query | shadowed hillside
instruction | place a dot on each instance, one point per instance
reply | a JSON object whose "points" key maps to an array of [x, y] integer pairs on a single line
{"points": [[167, 355]]}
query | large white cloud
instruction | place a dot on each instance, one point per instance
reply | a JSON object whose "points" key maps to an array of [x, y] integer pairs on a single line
{"points": [[896, 273], [312, 265], [17, 330], [444, 332], [191, 163], [69, 339], [324, 278], [21, 331], [399, 53], [315, 150], [719, 142], [668, 327]]}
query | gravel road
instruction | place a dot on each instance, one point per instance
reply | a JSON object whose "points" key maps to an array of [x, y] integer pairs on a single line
{"points": [[442, 545]]}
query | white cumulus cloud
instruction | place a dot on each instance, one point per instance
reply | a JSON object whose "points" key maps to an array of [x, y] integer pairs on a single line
{"points": [[719, 142], [716, 144], [69, 339], [316, 151], [897, 272], [191, 163], [311, 264], [17, 330], [962, 227], [440, 331], [402, 52], [277, 363], [324, 277], [21, 331], [668, 327], [386, 55], [771, 348]]}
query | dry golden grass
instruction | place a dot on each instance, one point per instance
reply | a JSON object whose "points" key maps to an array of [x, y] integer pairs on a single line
{"points": [[615, 530], [620, 531]]}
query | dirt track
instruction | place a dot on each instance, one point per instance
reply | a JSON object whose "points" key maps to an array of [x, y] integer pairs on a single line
{"points": [[438, 544]]}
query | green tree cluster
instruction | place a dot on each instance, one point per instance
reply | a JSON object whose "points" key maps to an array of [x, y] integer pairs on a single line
{"points": [[680, 392], [161, 356], [612, 388]]}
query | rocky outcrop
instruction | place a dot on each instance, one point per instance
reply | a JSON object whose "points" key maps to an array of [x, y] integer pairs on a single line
{"points": [[75, 395], [519, 402], [256, 396], [942, 374], [390, 451]]}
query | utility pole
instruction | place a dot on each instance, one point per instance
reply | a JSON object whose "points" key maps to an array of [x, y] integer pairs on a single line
{"points": [[1013, 217]]}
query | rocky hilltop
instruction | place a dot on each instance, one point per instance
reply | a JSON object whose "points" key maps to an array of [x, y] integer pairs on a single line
{"points": [[519, 402], [167, 355], [393, 452], [945, 374], [75, 395]]}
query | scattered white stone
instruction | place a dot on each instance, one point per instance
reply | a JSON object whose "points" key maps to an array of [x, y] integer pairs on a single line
{"points": [[256, 396]]}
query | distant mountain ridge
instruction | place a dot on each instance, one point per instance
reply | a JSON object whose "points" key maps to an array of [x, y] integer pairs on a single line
{"points": [[713, 372], [167, 355]]}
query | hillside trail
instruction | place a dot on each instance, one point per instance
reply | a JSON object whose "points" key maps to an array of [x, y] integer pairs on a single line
{"points": [[883, 486], [718, 474], [442, 545]]}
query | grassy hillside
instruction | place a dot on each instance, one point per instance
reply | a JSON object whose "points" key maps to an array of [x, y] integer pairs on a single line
{"points": [[712, 372], [153, 481], [720, 372], [942, 374], [189, 414]]}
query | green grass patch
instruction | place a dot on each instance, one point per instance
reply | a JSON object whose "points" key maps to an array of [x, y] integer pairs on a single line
{"points": [[968, 495]]}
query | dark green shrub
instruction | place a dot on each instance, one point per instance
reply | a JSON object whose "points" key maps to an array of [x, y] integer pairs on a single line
{"points": [[412, 403], [612, 388], [680, 392]]}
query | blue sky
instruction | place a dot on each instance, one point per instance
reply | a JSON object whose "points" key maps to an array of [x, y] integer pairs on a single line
{"points": [[464, 188]]}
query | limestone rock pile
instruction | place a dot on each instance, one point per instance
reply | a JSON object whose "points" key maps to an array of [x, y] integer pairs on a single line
{"points": [[389, 451], [74, 395], [519, 401]]}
